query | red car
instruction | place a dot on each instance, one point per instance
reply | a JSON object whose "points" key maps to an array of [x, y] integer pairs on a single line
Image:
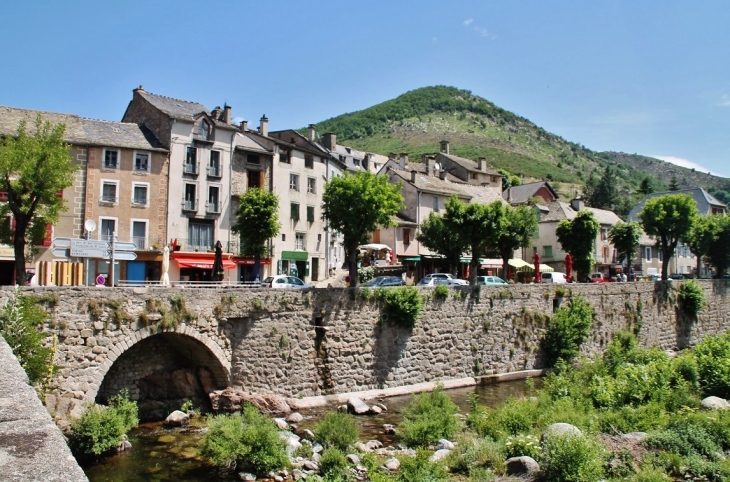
{"points": [[600, 278]]}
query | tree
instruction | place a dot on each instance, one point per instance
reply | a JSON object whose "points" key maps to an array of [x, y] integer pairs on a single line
{"points": [[34, 169], [578, 237], [439, 238], [699, 238], [605, 194], [646, 186], [257, 220], [669, 218], [625, 238], [673, 184], [710, 237], [518, 225], [358, 204]]}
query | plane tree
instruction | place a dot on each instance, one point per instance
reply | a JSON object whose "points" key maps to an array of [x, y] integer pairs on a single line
{"points": [[437, 236], [517, 227], [257, 221], [577, 237], [625, 238]]}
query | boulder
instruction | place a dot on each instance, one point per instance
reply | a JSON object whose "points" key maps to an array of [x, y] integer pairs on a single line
{"points": [[374, 444], [353, 459], [246, 477], [715, 403], [309, 465], [232, 399], [357, 406], [523, 465], [292, 442], [439, 455], [388, 429], [375, 410], [561, 429], [177, 419], [294, 417], [317, 448], [281, 424], [361, 447], [392, 464], [636, 437], [445, 444]]}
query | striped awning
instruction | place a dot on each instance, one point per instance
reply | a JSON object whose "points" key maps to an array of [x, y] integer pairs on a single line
{"points": [[530, 268]]}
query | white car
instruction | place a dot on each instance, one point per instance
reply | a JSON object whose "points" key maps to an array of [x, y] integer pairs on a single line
{"points": [[284, 281], [447, 279], [553, 277]]}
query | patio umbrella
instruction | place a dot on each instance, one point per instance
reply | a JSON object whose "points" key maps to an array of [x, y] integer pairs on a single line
{"points": [[568, 267], [218, 262], [536, 260], [165, 279]]}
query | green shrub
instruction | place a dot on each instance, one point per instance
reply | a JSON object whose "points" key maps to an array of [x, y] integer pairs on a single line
{"points": [[713, 365], [441, 292], [333, 464], [402, 305], [429, 417], [522, 445], [100, 428], [650, 474], [248, 440], [21, 324], [472, 452], [365, 274], [338, 430], [690, 298], [571, 458], [567, 330], [686, 436], [421, 469]]}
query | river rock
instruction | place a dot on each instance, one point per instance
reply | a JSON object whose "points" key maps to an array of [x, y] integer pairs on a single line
{"points": [[309, 465], [388, 429], [361, 447], [374, 444], [294, 417], [297, 474], [375, 410], [353, 459], [382, 407], [124, 445], [316, 458], [357, 406], [292, 441], [523, 465], [307, 434], [246, 477], [636, 437], [439, 455], [317, 448], [715, 403], [445, 444], [177, 419], [392, 464], [166, 439], [232, 399], [281, 424], [561, 429]]}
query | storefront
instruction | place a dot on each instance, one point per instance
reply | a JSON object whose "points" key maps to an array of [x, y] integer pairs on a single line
{"points": [[294, 263], [245, 269], [198, 267]]}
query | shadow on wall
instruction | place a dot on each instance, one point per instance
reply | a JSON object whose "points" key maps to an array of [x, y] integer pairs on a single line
{"points": [[390, 343]]}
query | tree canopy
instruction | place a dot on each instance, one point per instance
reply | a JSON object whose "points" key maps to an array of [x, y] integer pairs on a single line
{"points": [[669, 218], [257, 220], [577, 237], [358, 204], [518, 226], [709, 237], [625, 238], [605, 193], [34, 169], [674, 184], [440, 238]]}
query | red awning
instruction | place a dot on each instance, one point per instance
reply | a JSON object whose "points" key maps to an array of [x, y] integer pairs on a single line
{"points": [[202, 262], [251, 261]]}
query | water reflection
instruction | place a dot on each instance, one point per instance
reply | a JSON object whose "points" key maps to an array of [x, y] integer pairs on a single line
{"points": [[164, 454]]}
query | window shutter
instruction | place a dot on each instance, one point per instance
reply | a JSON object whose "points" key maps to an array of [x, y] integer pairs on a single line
{"points": [[306, 269], [278, 266]]}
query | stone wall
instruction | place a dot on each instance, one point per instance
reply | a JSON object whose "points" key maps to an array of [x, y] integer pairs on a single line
{"points": [[324, 341]]}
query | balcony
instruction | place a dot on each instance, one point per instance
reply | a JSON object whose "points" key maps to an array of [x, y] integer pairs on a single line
{"points": [[191, 168], [195, 245], [139, 202], [142, 243], [108, 200], [214, 171], [213, 207], [190, 205]]}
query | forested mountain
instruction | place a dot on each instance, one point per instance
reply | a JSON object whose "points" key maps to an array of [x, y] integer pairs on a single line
{"points": [[416, 121]]}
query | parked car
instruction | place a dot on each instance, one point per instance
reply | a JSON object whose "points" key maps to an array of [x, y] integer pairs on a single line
{"points": [[600, 278], [284, 281], [490, 280], [554, 277], [447, 278], [677, 276], [382, 281]]}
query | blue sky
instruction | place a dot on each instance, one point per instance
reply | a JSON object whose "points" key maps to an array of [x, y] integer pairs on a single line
{"points": [[647, 77]]}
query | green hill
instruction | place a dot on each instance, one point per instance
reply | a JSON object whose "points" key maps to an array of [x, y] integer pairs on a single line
{"points": [[417, 121]]}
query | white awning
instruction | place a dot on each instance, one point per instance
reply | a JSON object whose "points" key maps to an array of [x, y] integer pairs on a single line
{"points": [[374, 247], [518, 263]]}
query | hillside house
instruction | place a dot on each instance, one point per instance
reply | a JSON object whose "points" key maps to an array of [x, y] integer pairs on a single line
{"points": [[520, 195]]}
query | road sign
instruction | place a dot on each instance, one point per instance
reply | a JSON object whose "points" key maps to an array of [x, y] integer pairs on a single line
{"points": [[60, 252], [124, 247], [122, 256], [61, 242], [89, 253], [84, 244]]}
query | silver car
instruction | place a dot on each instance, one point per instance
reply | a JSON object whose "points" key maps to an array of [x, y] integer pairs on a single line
{"points": [[284, 281]]}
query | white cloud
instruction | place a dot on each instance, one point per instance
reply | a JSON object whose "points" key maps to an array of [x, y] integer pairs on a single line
{"points": [[468, 21], [724, 101], [684, 163]]}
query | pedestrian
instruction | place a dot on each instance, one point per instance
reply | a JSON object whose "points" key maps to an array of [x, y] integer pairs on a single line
{"points": [[372, 258], [387, 257]]}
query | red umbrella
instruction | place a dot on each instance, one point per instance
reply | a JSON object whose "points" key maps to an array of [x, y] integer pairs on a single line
{"points": [[536, 260], [568, 267]]}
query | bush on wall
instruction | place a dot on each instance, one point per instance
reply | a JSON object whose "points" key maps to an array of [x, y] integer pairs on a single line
{"points": [[567, 331], [401, 305], [690, 298]]}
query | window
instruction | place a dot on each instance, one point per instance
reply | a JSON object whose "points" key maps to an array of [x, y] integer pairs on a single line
{"points": [[284, 156], [647, 253], [299, 241], [312, 185], [190, 201], [309, 161], [604, 234], [214, 166], [214, 199], [111, 159], [109, 192], [356, 162], [255, 179], [406, 236], [310, 214], [139, 234], [283, 237], [141, 162], [294, 182], [660, 253], [108, 228], [204, 130], [253, 159], [191, 161], [435, 203], [139, 194], [200, 235], [547, 251], [473, 175], [295, 211], [605, 254]]}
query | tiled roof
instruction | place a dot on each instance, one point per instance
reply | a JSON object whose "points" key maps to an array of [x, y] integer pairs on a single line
{"points": [[421, 168], [175, 108], [560, 210], [465, 163], [247, 142], [704, 201], [432, 184], [482, 194], [80, 130], [522, 193]]}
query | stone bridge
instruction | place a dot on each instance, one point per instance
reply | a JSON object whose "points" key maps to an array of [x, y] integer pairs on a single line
{"points": [[167, 345]]}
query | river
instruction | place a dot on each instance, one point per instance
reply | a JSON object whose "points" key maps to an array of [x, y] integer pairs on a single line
{"points": [[170, 454]]}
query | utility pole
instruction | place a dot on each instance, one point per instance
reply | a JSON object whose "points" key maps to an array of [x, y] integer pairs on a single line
{"points": [[111, 261]]}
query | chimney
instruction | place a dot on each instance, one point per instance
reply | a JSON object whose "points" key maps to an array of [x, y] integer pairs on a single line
{"points": [[227, 114], [138, 89], [264, 126], [312, 132], [430, 164], [482, 164], [445, 147], [577, 203], [392, 156], [244, 126], [330, 140], [403, 160], [216, 113], [442, 174], [414, 173]]}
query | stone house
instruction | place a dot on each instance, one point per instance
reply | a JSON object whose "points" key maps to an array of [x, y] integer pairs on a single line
{"points": [[468, 171], [518, 195]]}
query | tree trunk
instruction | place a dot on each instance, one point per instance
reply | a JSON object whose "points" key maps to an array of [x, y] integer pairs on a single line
{"points": [[257, 266], [21, 227], [473, 267], [352, 259]]}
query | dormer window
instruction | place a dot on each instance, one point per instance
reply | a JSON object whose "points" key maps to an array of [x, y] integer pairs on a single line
{"points": [[204, 130]]}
